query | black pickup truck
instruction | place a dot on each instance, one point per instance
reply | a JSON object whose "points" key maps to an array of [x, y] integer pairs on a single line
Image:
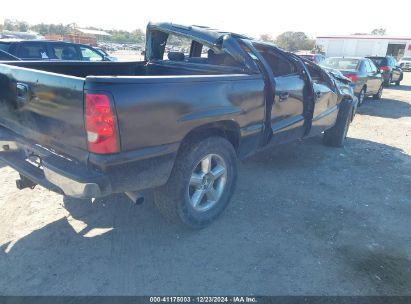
{"points": [[175, 122]]}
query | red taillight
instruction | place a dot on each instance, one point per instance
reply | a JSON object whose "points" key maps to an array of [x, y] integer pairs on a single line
{"points": [[384, 68], [100, 124], [353, 77]]}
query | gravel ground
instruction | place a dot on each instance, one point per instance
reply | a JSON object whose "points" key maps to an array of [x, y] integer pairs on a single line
{"points": [[305, 220]]}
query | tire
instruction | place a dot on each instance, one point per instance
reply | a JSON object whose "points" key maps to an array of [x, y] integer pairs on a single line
{"points": [[397, 83], [379, 93], [361, 96], [194, 196], [335, 137], [388, 82]]}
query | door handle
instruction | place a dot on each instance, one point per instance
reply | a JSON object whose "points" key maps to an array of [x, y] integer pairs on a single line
{"points": [[284, 95], [23, 93]]}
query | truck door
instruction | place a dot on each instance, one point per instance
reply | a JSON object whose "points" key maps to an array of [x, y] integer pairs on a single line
{"points": [[325, 109], [287, 109]]}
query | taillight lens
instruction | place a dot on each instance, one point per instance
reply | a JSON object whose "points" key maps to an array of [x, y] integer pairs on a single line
{"points": [[384, 68], [353, 77], [100, 125]]}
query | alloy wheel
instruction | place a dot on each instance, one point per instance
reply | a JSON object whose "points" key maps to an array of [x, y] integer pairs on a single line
{"points": [[207, 182]]}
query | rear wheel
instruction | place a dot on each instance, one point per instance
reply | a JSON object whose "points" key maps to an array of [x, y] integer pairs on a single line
{"points": [[201, 183], [335, 137], [397, 83], [388, 82], [361, 96], [379, 93]]}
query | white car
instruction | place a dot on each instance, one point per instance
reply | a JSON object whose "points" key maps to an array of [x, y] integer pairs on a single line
{"points": [[405, 63]]}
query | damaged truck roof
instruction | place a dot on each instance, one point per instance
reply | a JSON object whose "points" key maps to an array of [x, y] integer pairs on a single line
{"points": [[197, 32]]}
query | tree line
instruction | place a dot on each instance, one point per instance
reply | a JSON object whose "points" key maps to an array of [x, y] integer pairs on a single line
{"points": [[291, 41], [294, 41], [117, 36]]}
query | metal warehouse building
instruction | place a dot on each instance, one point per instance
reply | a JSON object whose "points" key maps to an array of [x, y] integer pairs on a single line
{"points": [[365, 45]]}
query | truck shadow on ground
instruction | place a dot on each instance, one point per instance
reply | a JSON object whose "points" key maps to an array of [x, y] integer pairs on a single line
{"points": [[388, 108], [305, 219]]}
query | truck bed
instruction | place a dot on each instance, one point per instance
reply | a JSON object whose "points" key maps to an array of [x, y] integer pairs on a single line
{"points": [[140, 68]]}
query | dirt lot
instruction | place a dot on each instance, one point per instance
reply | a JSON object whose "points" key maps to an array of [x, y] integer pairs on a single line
{"points": [[305, 219]]}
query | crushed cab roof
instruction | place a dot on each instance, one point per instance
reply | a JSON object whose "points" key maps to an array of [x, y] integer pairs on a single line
{"points": [[198, 32]]}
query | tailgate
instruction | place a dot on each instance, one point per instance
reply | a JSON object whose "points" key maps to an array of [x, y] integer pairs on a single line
{"points": [[45, 108]]}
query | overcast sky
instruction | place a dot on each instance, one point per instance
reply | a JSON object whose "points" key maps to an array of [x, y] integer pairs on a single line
{"points": [[314, 17]]}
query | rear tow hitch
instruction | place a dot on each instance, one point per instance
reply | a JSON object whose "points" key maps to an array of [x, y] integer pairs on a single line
{"points": [[24, 182]]}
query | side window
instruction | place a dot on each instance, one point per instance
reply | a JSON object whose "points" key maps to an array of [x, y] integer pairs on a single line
{"points": [[204, 51], [367, 66], [32, 51], [179, 47], [279, 65], [4, 47], [362, 67], [191, 51], [64, 52], [373, 68], [90, 55]]}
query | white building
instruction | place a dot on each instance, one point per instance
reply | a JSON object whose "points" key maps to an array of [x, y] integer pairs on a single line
{"points": [[365, 45]]}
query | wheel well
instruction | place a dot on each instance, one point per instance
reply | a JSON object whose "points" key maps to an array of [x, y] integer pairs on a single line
{"points": [[229, 130]]}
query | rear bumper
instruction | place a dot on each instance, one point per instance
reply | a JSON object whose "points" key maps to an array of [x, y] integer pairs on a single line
{"points": [[103, 175]]}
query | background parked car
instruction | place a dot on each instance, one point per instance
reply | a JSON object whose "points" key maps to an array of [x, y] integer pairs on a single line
{"points": [[105, 54], [51, 50], [389, 68], [405, 63], [362, 72], [7, 57], [316, 58]]}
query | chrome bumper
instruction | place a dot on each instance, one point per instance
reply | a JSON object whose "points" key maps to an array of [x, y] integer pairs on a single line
{"points": [[52, 171]]}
